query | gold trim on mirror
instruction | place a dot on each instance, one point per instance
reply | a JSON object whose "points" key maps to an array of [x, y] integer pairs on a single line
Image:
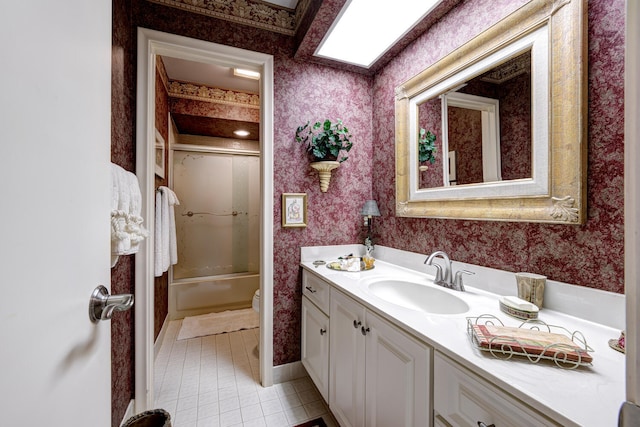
{"points": [[563, 195]]}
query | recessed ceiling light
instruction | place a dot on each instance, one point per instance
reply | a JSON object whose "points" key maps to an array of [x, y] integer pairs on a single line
{"points": [[249, 74], [366, 29], [241, 132]]}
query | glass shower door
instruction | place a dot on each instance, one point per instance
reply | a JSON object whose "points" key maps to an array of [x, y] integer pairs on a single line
{"points": [[217, 221]]}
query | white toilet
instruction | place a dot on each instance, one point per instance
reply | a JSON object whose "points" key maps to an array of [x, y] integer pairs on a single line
{"points": [[256, 301], [256, 306]]}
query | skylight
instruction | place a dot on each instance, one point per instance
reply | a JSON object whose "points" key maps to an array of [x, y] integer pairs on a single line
{"points": [[366, 29]]}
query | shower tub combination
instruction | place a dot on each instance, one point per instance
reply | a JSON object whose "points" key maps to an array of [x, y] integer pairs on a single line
{"points": [[218, 230], [202, 295]]}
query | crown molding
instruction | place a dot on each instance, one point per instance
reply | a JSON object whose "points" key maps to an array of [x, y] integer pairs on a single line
{"points": [[199, 92], [248, 12]]}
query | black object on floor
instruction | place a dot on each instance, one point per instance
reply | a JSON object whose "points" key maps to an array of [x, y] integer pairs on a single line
{"points": [[318, 422]]}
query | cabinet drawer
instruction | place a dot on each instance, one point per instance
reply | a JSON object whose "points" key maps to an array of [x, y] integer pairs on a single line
{"points": [[463, 399], [317, 290]]}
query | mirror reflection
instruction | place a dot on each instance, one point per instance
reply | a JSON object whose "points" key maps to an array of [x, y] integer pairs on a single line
{"points": [[482, 128]]}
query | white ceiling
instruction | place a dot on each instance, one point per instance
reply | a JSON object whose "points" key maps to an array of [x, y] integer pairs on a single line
{"points": [[207, 74], [291, 4]]}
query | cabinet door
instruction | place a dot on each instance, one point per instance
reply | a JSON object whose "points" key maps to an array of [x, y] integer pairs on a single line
{"points": [[315, 346], [397, 377], [465, 400], [346, 371]]}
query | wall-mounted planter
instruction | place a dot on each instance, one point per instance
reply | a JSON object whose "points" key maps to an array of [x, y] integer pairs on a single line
{"points": [[324, 169]]}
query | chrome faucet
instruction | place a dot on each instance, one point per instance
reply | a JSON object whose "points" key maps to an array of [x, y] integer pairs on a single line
{"points": [[446, 279], [447, 268]]}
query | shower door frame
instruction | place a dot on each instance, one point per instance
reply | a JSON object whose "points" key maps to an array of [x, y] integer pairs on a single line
{"points": [[194, 148], [150, 44]]}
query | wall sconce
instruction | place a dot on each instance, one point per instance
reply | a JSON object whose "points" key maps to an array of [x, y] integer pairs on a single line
{"points": [[369, 210]]}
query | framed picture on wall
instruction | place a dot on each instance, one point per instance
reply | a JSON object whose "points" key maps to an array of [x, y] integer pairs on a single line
{"points": [[159, 154], [294, 209]]}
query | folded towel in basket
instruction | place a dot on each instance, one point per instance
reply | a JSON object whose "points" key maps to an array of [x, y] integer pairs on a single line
{"points": [[530, 342]]}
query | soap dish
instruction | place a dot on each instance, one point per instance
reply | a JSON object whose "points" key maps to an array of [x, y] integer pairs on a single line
{"points": [[519, 308]]}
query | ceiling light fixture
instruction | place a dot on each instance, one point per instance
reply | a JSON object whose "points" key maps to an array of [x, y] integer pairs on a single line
{"points": [[366, 29], [241, 132], [249, 74]]}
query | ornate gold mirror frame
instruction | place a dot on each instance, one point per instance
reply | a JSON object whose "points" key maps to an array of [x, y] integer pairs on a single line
{"points": [[563, 199]]}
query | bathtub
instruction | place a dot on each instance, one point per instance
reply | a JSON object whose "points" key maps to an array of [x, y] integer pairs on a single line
{"points": [[202, 295]]}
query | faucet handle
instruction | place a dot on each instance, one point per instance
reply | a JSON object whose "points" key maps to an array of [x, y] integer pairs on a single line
{"points": [[458, 280], [438, 273]]}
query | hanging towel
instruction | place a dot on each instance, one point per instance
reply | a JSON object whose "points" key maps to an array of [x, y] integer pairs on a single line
{"points": [[126, 223], [166, 247]]}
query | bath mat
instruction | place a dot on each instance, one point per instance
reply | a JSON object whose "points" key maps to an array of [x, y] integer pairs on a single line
{"points": [[218, 323], [318, 422]]}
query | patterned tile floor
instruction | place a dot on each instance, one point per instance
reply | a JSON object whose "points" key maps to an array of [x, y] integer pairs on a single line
{"points": [[213, 381]]}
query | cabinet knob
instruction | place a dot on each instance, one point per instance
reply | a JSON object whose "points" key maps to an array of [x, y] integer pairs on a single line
{"points": [[481, 424], [310, 289], [323, 331], [356, 324], [364, 330]]}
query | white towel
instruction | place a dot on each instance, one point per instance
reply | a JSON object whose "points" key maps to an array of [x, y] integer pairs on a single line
{"points": [[166, 246], [126, 223], [134, 228]]}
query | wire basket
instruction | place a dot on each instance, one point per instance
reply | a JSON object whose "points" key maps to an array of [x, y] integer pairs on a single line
{"points": [[533, 339]]}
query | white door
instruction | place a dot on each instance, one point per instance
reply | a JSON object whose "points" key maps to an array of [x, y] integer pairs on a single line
{"points": [[54, 204]]}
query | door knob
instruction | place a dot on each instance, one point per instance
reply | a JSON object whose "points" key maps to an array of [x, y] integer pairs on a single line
{"points": [[102, 305]]}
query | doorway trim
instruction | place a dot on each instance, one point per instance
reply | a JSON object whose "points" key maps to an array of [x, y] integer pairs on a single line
{"points": [[631, 407], [150, 44]]}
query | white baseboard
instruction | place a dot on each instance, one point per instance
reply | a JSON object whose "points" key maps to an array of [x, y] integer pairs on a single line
{"points": [[158, 343], [129, 412], [288, 372]]}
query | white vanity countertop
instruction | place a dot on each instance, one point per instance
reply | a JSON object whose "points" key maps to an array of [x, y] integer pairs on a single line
{"points": [[586, 396]]}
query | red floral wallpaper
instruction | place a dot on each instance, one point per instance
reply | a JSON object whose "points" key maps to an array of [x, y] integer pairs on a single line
{"points": [[515, 128], [589, 255], [465, 138], [314, 92]]}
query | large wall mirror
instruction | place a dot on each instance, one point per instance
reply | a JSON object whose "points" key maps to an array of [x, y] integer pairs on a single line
{"points": [[508, 113]]}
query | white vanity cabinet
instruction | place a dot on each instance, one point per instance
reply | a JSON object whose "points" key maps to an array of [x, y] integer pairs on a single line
{"points": [[379, 375], [315, 332], [463, 399]]}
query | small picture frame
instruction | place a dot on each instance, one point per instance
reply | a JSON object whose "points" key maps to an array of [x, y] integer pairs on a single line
{"points": [[294, 209], [160, 154]]}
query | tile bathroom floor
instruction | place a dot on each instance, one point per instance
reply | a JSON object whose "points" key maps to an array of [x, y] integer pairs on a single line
{"points": [[214, 381]]}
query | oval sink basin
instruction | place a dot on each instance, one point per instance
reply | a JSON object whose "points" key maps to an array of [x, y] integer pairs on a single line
{"points": [[418, 297]]}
